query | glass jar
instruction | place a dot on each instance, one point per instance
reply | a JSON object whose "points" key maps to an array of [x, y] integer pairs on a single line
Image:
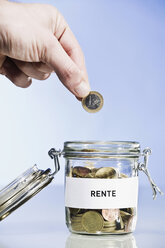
{"points": [[23, 188], [101, 186]]}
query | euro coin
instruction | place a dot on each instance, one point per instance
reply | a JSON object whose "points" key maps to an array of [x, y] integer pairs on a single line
{"points": [[74, 211], [125, 216], [113, 231], [90, 175], [109, 229], [108, 224], [93, 102], [78, 220], [106, 172], [129, 224], [122, 175], [110, 214], [131, 211], [77, 227], [92, 222], [79, 171]]}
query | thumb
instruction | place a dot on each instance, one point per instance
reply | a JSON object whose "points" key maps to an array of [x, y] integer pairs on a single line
{"points": [[67, 71]]}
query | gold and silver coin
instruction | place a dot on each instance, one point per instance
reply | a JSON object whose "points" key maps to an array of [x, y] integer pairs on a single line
{"points": [[93, 102]]}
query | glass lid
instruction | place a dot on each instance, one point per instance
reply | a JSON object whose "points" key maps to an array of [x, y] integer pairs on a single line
{"points": [[22, 189]]}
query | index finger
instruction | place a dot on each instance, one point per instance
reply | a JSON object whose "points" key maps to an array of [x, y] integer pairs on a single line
{"points": [[73, 49]]}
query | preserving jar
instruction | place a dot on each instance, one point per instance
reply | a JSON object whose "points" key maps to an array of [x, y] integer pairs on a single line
{"points": [[101, 185]]}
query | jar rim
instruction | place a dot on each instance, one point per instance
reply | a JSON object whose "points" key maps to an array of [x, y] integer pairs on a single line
{"points": [[101, 148]]}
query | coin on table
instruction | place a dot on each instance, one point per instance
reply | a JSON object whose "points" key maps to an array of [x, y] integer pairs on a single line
{"points": [[93, 102], [92, 222]]}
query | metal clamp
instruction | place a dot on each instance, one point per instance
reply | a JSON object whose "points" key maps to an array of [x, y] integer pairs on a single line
{"points": [[144, 167], [54, 154]]}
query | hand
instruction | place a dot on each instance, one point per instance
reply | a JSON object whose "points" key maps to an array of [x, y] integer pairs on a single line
{"points": [[35, 40]]}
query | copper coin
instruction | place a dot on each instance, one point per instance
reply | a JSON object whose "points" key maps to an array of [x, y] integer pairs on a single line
{"points": [[110, 214]]}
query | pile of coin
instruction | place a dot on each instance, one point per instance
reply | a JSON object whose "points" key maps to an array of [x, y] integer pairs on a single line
{"points": [[88, 172], [100, 220], [105, 220]]}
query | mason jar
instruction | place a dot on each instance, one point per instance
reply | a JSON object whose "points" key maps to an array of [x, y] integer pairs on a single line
{"points": [[101, 185]]}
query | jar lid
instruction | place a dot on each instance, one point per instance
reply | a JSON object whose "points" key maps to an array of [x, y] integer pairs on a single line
{"points": [[100, 149], [22, 189]]}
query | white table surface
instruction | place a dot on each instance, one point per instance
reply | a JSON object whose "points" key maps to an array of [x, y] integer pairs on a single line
{"points": [[40, 223]]}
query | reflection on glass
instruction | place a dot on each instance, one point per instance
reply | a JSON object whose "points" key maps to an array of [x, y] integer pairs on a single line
{"points": [[113, 241]]}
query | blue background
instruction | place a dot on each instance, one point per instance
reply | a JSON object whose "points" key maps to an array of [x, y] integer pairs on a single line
{"points": [[124, 47]]}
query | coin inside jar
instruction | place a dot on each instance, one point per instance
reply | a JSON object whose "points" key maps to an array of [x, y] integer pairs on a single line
{"points": [[79, 171], [106, 172], [93, 102], [92, 221], [110, 214]]}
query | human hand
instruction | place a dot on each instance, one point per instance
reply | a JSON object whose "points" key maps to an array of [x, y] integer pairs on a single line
{"points": [[35, 40]]}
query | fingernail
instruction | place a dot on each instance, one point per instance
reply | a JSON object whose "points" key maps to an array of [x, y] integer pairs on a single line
{"points": [[82, 89], [46, 75], [29, 80]]}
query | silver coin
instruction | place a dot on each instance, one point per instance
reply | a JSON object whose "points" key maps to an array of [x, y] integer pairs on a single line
{"points": [[93, 102]]}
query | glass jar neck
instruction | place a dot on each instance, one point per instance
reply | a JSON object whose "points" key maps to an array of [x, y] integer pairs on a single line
{"points": [[100, 149]]}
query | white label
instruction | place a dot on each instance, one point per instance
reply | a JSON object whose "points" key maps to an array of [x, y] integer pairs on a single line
{"points": [[101, 193]]}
